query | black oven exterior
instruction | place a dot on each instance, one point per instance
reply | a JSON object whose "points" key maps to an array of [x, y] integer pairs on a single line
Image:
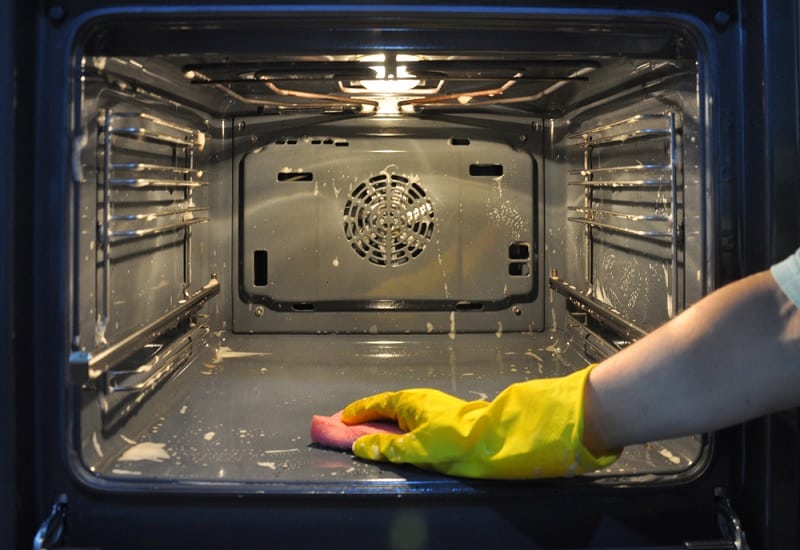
{"points": [[753, 470]]}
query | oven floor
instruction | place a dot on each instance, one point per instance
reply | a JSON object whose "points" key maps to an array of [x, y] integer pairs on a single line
{"points": [[242, 414]]}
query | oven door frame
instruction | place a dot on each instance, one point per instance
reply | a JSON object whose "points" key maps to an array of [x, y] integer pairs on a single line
{"points": [[18, 517], [746, 459]]}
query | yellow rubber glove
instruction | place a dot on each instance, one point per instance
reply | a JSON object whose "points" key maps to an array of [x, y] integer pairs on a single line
{"points": [[530, 430]]}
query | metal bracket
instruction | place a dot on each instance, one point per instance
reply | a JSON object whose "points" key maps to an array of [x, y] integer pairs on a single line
{"points": [[731, 533], [53, 528], [729, 523]]}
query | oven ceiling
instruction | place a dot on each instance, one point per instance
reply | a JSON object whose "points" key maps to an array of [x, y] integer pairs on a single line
{"points": [[401, 63]]}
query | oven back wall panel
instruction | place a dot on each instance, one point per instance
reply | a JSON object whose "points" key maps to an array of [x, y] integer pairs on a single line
{"points": [[390, 226]]}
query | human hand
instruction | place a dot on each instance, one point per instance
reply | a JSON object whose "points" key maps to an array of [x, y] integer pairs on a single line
{"points": [[530, 430]]}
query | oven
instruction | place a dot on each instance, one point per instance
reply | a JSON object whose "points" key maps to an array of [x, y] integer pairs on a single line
{"points": [[224, 219]]}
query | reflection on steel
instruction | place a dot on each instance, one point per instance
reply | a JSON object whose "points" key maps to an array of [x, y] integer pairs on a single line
{"points": [[598, 310], [90, 365], [327, 97], [199, 78], [655, 175], [579, 74]]}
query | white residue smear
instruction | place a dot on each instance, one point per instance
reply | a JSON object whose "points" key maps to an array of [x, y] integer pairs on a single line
{"points": [[553, 348], [529, 353], [209, 436], [278, 451], [224, 352], [96, 444], [270, 465], [499, 332], [452, 333], [497, 183], [154, 452], [670, 313], [481, 395], [669, 456]]}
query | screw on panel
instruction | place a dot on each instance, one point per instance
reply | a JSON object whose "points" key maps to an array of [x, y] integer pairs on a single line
{"points": [[722, 19], [259, 311], [56, 13]]}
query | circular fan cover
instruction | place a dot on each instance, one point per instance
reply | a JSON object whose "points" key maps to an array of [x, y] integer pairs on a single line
{"points": [[388, 220]]}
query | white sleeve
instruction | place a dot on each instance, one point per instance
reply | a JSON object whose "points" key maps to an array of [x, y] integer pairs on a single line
{"points": [[787, 275]]}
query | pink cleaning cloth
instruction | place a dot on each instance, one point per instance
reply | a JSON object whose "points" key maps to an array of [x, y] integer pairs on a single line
{"points": [[330, 431]]}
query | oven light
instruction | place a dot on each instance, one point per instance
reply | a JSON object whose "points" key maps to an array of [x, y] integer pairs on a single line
{"points": [[391, 84], [399, 82]]}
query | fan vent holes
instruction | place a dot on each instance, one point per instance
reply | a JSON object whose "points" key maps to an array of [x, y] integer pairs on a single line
{"points": [[388, 220]]}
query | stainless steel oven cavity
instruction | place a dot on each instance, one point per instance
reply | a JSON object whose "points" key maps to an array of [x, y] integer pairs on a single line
{"points": [[263, 235]]}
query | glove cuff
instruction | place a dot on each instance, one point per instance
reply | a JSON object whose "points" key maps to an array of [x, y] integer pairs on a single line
{"points": [[585, 461], [540, 432]]}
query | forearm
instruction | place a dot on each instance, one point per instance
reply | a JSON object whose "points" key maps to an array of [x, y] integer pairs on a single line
{"points": [[732, 356]]}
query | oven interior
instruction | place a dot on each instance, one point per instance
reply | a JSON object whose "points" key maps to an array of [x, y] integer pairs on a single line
{"points": [[275, 216]]}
